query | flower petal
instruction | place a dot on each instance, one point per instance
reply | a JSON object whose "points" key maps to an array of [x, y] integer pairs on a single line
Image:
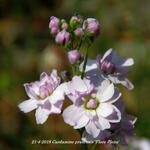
{"points": [[127, 84], [55, 77], [120, 105], [115, 97], [95, 76], [31, 90], [91, 64], [68, 113], [58, 93], [102, 136], [124, 81], [28, 105], [103, 123], [41, 115], [79, 84], [109, 111], [125, 62], [106, 94], [109, 55], [44, 76], [82, 122], [56, 108], [75, 116], [92, 129]]}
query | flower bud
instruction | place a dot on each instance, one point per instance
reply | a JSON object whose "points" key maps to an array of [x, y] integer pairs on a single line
{"points": [[91, 27], [62, 37], [79, 32], [76, 21], [74, 56], [54, 22], [54, 30], [64, 24]]}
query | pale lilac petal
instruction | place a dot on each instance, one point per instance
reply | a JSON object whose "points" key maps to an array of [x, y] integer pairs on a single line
{"points": [[46, 105], [106, 109], [75, 98], [109, 55], [58, 93], [55, 77], [91, 114], [68, 113], [28, 105], [127, 84], [31, 90], [128, 122], [92, 129], [115, 97], [125, 62], [103, 85], [79, 84], [110, 112], [72, 114], [107, 94], [95, 76], [115, 116], [124, 81], [124, 140], [140, 144], [102, 136], [44, 76], [41, 115], [56, 108], [81, 122], [91, 64], [103, 123], [89, 85], [120, 105]]}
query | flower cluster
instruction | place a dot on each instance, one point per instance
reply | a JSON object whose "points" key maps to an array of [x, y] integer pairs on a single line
{"points": [[97, 110]]}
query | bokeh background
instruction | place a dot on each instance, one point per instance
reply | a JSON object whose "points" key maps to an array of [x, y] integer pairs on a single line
{"points": [[27, 49]]}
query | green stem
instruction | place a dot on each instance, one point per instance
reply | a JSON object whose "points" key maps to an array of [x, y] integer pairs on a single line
{"points": [[85, 61], [79, 45], [84, 146], [72, 39], [73, 70], [94, 146]]}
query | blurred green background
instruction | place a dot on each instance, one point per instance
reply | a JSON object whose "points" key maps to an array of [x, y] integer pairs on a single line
{"points": [[27, 49]]}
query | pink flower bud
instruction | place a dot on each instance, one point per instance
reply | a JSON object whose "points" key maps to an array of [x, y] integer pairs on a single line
{"points": [[54, 30], [74, 56], [62, 37], [91, 27], [64, 25], [79, 32], [54, 22], [76, 21]]}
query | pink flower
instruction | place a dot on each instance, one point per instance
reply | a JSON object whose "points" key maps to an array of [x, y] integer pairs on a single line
{"points": [[62, 37], [115, 68], [111, 67], [124, 129], [54, 22], [79, 32], [91, 27], [54, 25], [91, 108], [74, 56], [46, 96], [76, 21]]}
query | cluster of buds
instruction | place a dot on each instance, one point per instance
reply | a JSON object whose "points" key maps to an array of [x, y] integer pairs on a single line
{"points": [[77, 27], [96, 110]]}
